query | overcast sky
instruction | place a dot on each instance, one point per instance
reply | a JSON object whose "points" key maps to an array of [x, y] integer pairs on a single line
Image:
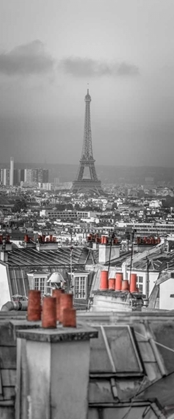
{"points": [[51, 49]]}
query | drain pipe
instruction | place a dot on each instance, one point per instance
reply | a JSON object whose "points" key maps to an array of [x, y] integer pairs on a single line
{"points": [[14, 306]]}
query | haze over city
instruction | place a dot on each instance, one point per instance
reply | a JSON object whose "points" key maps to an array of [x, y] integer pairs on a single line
{"points": [[51, 52]]}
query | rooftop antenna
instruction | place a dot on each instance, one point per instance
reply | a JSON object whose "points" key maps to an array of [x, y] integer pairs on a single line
{"points": [[111, 238], [71, 269], [132, 250], [87, 87]]}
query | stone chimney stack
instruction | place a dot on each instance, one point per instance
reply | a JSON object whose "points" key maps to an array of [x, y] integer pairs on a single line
{"points": [[47, 243], [28, 242], [5, 246], [107, 251], [4, 256], [54, 371]]}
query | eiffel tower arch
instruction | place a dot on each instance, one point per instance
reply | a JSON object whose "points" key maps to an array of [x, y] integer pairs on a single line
{"points": [[90, 184]]}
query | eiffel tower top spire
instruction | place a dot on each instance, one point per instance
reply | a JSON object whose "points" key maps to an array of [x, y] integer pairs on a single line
{"points": [[87, 97], [87, 152]]}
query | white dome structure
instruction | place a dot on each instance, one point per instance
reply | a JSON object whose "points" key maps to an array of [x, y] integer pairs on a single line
{"points": [[56, 277]]}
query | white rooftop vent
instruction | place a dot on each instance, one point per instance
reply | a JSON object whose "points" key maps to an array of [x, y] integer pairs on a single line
{"points": [[56, 277]]}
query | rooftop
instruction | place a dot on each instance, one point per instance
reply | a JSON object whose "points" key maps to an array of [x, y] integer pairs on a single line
{"points": [[62, 256], [156, 262], [131, 362]]}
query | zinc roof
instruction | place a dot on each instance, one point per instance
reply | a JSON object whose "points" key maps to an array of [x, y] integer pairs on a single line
{"points": [[128, 368], [24, 260], [158, 262], [31, 257]]}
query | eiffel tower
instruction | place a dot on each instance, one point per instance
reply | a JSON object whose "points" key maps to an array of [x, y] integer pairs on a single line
{"points": [[92, 184]]}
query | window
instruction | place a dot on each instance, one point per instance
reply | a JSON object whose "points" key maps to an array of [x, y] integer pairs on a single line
{"points": [[120, 341], [140, 283], [80, 287], [40, 284]]}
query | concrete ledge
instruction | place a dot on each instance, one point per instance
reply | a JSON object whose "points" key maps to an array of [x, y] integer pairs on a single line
{"points": [[59, 334], [118, 293]]}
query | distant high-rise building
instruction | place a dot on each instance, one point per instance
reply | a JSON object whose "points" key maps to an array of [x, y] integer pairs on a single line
{"points": [[28, 175], [6, 177], [36, 175], [43, 175], [11, 171], [25, 175], [40, 175], [2, 176], [18, 176], [22, 175]]}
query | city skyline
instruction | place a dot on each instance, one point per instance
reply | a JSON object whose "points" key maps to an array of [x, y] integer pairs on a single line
{"points": [[13, 176], [48, 55]]}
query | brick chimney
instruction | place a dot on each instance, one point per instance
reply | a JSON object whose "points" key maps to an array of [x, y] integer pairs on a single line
{"points": [[48, 242], [28, 242]]}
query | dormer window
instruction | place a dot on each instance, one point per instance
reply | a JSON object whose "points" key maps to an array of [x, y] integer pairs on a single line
{"points": [[38, 281], [40, 284], [80, 285], [140, 283]]}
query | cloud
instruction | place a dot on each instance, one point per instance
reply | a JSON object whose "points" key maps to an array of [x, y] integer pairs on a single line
{"points": [[32, 58], [26, 60], [85, 67]]}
